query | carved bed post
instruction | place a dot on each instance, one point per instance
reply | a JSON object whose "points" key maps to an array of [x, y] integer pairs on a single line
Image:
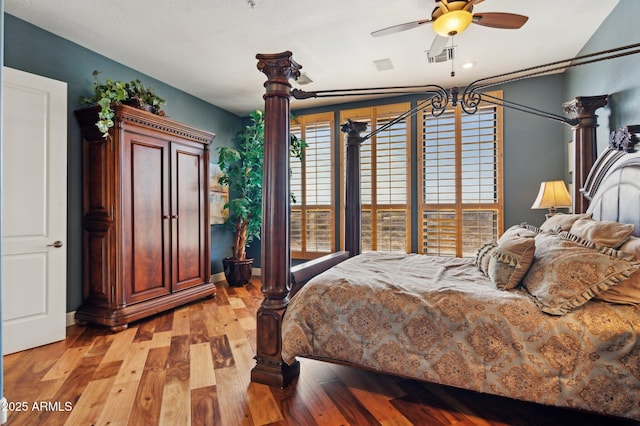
{"points": [[584, 137], [276, 258], [353, 202]]}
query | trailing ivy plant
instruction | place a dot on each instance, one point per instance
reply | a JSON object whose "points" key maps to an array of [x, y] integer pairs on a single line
{"points": [[112, 92], [241, 171]]}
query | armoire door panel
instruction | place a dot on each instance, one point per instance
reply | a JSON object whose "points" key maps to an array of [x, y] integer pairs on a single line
{"points": [[188, 209], [97, 194], [98, 269], [145, 223]]}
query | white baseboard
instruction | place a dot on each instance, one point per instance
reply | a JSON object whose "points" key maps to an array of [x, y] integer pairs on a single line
{"points": [[217, 277], [71, 318], [256, 272]]}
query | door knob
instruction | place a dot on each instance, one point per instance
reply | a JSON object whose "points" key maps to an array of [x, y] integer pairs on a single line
{"points": [[56, 244]]}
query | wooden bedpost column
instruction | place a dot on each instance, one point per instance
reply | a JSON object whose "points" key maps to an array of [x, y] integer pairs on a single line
{"points": [[276, 258], [584, 137], [353, 202]]}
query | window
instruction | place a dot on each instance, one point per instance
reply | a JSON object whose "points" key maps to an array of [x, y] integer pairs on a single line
{"points": [[461, 176], [385, 171], [312, 215]]}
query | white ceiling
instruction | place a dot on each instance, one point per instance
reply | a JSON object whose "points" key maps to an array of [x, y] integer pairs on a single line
{"points": [[207, 47]]}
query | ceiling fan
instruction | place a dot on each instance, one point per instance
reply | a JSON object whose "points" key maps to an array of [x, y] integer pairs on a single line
{"points": [[451, 17]]}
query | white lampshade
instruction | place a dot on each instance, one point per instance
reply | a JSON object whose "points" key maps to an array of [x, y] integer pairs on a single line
{"points": [[552, 194]]}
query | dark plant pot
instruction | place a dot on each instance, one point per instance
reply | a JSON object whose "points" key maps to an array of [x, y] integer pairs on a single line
{"points": [[237, 272]]}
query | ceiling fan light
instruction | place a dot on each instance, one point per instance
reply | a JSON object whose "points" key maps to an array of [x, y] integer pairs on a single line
{"points": [[452, 23]]}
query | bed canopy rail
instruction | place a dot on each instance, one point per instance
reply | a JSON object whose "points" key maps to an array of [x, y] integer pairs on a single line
{"points": [[279, 280]]}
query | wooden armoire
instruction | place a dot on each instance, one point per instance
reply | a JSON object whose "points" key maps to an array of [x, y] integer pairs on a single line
{"points": [[145, 205]]}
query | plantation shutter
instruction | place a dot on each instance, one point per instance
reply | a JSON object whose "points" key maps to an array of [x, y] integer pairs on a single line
{"points": [[461, 169], [385, 172], [312, 215]]}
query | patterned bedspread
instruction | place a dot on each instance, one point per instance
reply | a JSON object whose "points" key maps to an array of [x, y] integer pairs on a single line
{"points": [[441, 320]]}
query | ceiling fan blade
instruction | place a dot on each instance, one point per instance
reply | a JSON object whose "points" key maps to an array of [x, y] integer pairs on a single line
{"points": [[437, 46], [471, 3], [508, 21], [401, 27]]}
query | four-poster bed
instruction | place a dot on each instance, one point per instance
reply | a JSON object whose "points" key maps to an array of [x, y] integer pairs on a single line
{"points": [[482, 324]]}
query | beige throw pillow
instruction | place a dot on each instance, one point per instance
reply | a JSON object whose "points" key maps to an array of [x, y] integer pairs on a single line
{"points": [[628, 291], [604, 233], [512, 257], [483, 256], [563, 221], [567, 272]]}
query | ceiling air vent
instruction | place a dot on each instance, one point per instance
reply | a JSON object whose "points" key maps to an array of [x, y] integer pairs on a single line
{"points": [[448, 54]]}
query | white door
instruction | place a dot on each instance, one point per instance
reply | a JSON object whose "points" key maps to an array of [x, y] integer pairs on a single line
{"points": [[34, 209]]}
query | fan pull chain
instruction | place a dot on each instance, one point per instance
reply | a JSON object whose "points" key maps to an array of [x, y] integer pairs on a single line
{"points": [[453, 73]]}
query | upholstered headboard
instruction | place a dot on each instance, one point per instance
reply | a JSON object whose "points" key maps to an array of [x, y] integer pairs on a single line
{"points": [[613, 185]]}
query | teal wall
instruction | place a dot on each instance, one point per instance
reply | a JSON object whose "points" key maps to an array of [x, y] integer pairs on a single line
{"points": [[31, 49], [617, 78]]}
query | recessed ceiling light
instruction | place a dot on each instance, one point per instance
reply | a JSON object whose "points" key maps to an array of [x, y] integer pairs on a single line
{"points": [[468, 65]]}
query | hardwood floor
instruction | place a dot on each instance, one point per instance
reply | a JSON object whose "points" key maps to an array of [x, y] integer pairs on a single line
{"points": [[192, 366]]}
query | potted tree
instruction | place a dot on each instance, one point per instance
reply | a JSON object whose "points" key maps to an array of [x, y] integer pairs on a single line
{"points": [[241, 172], [132, 93]]}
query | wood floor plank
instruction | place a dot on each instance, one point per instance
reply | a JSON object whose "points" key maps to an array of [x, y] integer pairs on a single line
{"points": [[212, 320], [67, 363], [309, 390], [176, 397], [181, 321], [221, 352], [204, 407], [164, 322], [236, 303], [198, 329], [133, 364], [178, 351], [348, 404], [145, 330], [423, 407], [263, 406], [107, 369], [90, 403], [201, 363], [232, 327], [375, 392], [118, 405], [70, 391], [246, 319], [120, 346], [101, 344], [162, 338], [148, 398], [232, 398]]}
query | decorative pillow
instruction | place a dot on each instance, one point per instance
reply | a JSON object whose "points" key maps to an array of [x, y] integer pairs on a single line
{"points": [[530, 227], [568, 271], [512, 257], [628, 291], [563, 221], [604, 233], [483, 256]]}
